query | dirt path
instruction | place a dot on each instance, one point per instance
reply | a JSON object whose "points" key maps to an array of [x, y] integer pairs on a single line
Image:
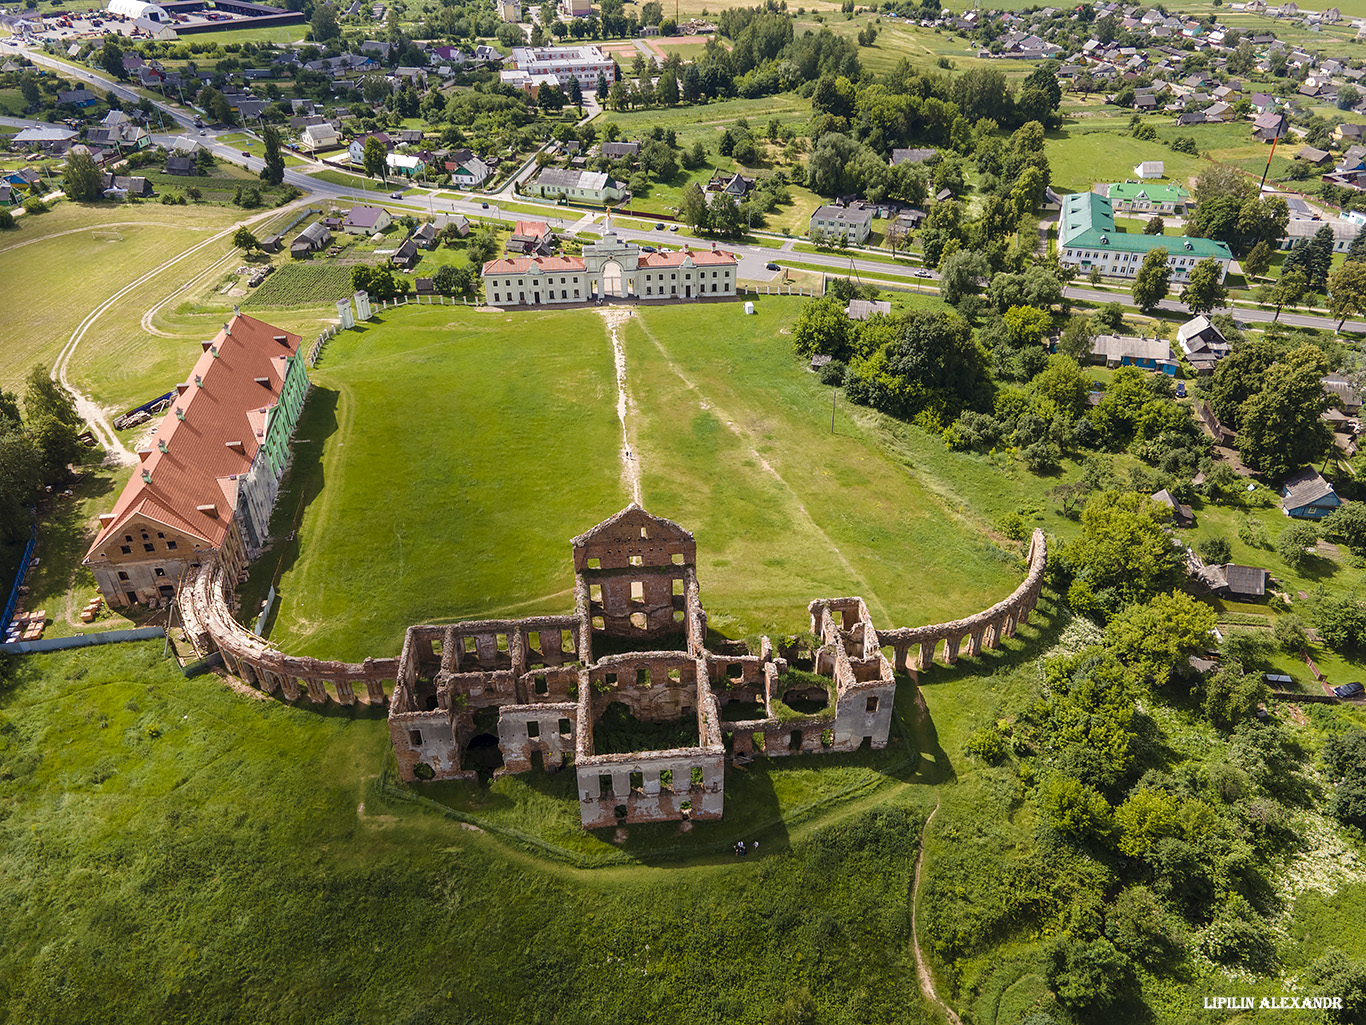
{"points": [[616, 319], [923, 969]]}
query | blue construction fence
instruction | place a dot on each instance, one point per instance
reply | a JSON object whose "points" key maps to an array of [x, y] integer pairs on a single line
{"points": [[19, 577], [145, 633]]}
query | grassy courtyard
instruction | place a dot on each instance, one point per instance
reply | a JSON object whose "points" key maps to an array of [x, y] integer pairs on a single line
{"points": [[439, 501]]}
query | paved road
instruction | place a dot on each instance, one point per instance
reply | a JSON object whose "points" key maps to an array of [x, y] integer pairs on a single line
{"points": [[753, 259], [1245, 314]]}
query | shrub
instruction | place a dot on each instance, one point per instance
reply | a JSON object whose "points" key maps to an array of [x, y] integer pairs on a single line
{"points": [[1288, 634], [1215, 550], [833, 373], [988, 745], [1294, 543], [6, 220], [1042, 457], [35, 206], [1110, 316], [1088, 976]]}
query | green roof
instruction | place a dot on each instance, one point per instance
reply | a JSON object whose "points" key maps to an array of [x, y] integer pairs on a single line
{"points": [[1129, 191], [1087, 220]]}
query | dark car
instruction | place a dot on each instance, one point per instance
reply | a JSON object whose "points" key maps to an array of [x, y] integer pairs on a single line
{"points": [[659, 226], [396, 195], [484, 205], [647, 249], [1349, 690], [771, 266]]}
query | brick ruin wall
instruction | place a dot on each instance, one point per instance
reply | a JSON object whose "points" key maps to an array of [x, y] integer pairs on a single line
{"points": [[532, 687]]}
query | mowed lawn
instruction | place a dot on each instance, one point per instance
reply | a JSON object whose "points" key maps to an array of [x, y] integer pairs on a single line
{"points": [[448, 455], [445, 459], [61, 264]]}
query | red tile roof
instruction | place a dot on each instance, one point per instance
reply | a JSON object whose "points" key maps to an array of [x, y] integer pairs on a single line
{"points": [[223, 404], [525, 264], [535, 229], [700, 258]]}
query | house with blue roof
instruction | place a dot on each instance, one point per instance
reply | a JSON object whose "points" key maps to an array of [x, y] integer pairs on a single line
{"points": [[1088, 238]]}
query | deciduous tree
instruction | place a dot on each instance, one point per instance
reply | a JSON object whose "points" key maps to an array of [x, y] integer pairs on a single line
{"points": [[1153, 281]]}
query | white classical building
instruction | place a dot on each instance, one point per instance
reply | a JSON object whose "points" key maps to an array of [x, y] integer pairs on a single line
{"points": [[609, 269]]}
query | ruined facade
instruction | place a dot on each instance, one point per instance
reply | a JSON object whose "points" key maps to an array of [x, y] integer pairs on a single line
{"points": [[488, 697]]}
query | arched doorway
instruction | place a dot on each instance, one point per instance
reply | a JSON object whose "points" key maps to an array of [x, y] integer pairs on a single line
{"points": [[613, 280], [483, 755]]}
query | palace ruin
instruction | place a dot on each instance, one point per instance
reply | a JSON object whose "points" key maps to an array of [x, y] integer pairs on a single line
{"points": [[510, 695]]}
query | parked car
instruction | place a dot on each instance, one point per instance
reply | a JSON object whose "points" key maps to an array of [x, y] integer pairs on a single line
{"points": [[1180, 389], [1349, 690], [484, 205], [771, 266], [396, 195], [923, 274], [659, 225], [647, 249], [673, 227]]}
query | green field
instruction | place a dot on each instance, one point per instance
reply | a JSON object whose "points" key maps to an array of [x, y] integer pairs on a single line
{"points": [[93, 252], [783, 511]]}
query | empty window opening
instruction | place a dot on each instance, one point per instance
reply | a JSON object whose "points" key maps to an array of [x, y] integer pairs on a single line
{"points": [[735, 671], [678, 585], [595, 592], [502, 641], [827, 738], [436, 647], [644, 533], [415, 738], [541, 686], [666, 779], [597, 623], [605, 784], [533, 641], [675, 673], [533, 729], [872, 703], [678, 558], [637, 781], [636, 560], [567, 641], [794, 742], [642, 676], [619, 811], [123, 576], [594, 563], [695, 776], [639, 621], [471, 645], [678, 616], [565, 727], [637, 591]]}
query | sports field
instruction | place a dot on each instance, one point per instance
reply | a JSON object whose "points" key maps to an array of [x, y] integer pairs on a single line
{"points": [[461, 450]]}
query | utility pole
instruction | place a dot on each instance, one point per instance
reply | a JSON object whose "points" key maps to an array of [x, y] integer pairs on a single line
{"points": [[834, 392]]}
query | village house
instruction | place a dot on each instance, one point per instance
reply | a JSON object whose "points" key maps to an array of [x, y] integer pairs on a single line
{"points": [[366, 220], [1305, 495]]}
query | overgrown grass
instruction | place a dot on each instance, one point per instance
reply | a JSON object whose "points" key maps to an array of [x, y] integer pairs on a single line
{"points": [[304, 283]]}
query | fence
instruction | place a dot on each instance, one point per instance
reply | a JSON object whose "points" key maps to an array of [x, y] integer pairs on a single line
{"points": [[145, 633], [265, 611], [19, 578], [781, 290]]}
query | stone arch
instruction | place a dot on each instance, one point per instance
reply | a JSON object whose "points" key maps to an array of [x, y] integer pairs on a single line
{"points": [[614, 281]]}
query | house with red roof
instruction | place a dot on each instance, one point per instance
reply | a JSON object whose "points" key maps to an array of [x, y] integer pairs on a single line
{"points": [[207, 479]]}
